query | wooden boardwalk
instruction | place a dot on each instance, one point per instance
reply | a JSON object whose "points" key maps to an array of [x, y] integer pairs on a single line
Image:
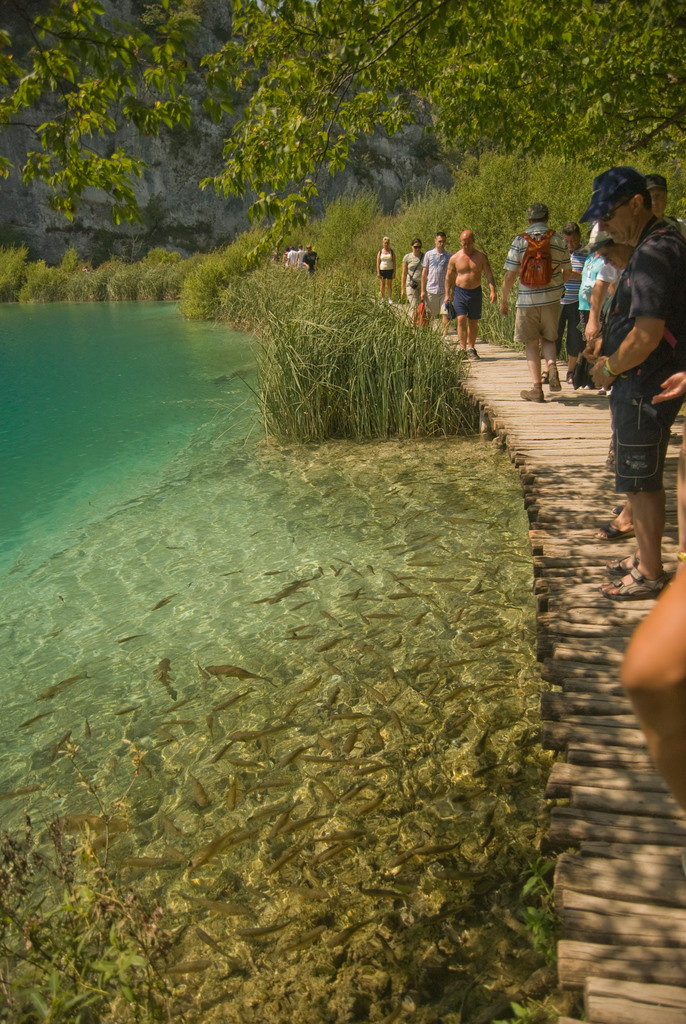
{"points": [[621, 892]]}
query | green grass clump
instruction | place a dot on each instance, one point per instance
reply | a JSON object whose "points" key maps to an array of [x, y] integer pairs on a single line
{"points": [[349, 367]]}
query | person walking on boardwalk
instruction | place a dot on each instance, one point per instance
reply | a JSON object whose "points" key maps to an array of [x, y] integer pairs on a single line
{"points": [[569, 310], [385, 268], [434, 269], [463, 287], [644, 343], [411, 276], [540, 259]]}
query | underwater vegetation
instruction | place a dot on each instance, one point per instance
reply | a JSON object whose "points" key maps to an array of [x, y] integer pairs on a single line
{"points": [[305, 742]]}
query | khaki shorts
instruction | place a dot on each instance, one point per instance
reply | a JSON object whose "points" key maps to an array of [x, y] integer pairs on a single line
{"points": [[434, 303], [534, 322]]}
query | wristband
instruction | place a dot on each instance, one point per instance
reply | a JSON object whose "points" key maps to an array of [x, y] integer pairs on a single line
{"points": [[681, 555], [606, 369]]}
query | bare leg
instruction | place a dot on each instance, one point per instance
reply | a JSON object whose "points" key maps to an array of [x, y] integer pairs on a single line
{"points": [[462, 331], [649, 524], [473, 331], [533, 358], [654, 676], [549, 352]]}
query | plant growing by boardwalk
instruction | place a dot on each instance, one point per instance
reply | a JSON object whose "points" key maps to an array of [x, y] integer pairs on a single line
{"points": [[353, 369]]}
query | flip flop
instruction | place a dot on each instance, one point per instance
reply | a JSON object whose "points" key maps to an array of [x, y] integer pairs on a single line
{"points": [[640, 588], [612, 533]]}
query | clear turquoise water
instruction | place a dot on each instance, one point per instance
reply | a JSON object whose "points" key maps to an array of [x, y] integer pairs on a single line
{"points": [[95, 402], [144, 518]]}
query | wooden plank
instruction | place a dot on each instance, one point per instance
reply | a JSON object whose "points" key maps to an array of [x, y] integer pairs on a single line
{"points": [[578, 961], [651, 805], [585, 753], [588, 655], [650, 996], [670, 855], [597, 919], [569, 826], [556, 707], [559, 735], [636, 881], [565, 776]]}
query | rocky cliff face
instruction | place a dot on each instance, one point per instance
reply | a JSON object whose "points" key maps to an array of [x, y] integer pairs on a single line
{"points": [[176, 214]]}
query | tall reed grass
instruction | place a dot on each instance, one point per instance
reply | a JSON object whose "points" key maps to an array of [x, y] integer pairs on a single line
{"points": [[350, 367]]}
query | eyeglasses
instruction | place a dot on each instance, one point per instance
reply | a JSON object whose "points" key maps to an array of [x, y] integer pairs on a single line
{"points": [[416, 245], [608, 216]]}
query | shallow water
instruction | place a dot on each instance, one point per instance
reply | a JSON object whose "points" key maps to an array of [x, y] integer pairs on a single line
{"points": [[368, 603]]}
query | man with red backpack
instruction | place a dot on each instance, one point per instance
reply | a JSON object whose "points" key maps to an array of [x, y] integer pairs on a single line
{"points": [[539, 259]]}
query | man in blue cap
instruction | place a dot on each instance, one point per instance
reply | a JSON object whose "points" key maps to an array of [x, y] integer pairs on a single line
{"points": [[644, 343]]}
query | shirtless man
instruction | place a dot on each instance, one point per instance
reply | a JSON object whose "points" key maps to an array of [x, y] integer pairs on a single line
{"points": [[465, 271]]}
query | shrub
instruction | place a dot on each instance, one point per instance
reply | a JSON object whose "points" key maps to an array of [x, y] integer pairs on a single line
{"points": [[344, 366], [12, 271]]}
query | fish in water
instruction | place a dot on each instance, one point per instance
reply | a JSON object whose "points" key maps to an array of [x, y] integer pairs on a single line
{"points": [[306, 939], [165, 600], [163, 676], [199, 795], [287, 591], [247, 735], [58, 687], [219, 907], [340, 938], [125, 639], [189, 967], [22, 791], [36, 718], [60, 743], [234, 671], [225, 704], [232, 799]]}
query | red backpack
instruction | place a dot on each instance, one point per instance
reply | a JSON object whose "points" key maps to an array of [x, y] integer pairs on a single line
{"points": [[536, 269]]}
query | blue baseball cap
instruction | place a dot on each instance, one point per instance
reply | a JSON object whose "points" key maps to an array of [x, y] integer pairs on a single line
{"points": [[610, 187]]}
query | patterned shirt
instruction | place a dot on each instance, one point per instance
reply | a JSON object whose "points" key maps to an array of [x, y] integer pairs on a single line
{"points": [[526, 295], [571, 294], [437, 262]]}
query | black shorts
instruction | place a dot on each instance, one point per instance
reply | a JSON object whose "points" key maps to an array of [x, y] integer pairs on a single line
{"points": [[467, 302], [641, 434], [387, 275]]}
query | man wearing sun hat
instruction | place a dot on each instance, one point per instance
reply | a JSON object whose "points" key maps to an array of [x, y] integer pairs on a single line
{"points": [[644, 342]]}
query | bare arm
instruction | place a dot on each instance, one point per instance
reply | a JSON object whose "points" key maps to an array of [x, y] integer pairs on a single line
{"points": [[403, 279], [641, 340], [425, 277], [450, 279], [509, 279], [378, 263], [488, 274], [598, 294], [654, 676]]}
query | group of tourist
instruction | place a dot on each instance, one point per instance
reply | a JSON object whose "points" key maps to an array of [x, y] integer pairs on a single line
{"points": [[621, 301], [296, 257], [438, 283]]}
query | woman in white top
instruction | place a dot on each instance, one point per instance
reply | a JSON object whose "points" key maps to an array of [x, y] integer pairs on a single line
{"points": [[385, 268]]}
